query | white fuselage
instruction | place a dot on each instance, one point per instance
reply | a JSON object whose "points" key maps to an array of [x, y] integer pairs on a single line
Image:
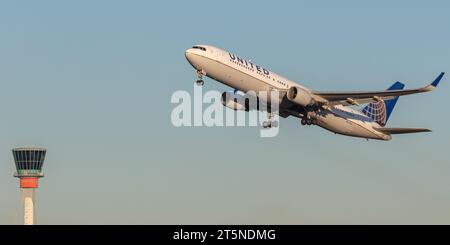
{"points": [[245, 75]]}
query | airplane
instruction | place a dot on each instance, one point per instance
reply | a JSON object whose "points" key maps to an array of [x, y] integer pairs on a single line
{"points": [[333, 111]]}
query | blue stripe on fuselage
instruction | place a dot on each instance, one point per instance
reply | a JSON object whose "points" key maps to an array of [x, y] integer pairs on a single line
{"points": [[350, 115]]}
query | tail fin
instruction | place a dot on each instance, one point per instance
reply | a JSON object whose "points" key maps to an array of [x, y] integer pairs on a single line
{"points": [[380, 111]]}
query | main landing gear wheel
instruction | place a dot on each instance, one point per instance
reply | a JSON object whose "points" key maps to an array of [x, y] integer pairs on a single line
{"points": [[200, 81], [307, 121], [270, 123]]}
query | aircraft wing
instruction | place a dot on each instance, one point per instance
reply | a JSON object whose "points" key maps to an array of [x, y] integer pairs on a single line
{"points": [[355, 98], [402, 130]]}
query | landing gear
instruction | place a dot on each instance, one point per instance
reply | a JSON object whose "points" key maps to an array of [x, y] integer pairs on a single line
{"points": [[270, 122], [303, 121], [200, 81], [275, 124], [307, 121]]}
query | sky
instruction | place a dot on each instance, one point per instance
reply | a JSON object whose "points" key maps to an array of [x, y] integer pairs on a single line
{"points": [[91, 81]]}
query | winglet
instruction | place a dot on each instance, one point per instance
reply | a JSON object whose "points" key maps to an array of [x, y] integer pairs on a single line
{"points": [[434, 84], [437, 80]]}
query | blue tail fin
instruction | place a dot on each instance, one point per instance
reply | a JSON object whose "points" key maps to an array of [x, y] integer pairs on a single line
{"points": [[380, 111]]}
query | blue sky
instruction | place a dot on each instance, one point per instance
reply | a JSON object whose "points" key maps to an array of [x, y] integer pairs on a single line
{"points": [[91, 81]]}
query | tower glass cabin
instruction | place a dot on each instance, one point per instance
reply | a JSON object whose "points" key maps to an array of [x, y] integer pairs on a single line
{"points": [[29, 163]]}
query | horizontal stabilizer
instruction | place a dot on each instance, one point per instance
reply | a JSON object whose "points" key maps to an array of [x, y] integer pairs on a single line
{"points": [[402, 130]]}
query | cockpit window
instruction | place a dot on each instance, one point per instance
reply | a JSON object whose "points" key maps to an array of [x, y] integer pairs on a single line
{"points": [[201, 48]]}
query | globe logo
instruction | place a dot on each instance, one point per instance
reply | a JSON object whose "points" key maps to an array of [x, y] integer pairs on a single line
{"points": [[377, 111]]}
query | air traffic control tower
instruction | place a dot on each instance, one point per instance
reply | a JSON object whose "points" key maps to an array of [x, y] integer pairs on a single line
{"points": [[29, 163]]}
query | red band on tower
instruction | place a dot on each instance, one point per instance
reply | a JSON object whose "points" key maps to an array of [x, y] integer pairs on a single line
{"points": [[28, 182]]}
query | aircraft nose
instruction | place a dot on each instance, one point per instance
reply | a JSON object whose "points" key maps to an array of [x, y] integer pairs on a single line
{"points": [[191, 57], [188, 54]]}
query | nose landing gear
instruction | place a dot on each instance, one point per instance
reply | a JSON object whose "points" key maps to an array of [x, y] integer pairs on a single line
{"points": [[200, 81]]}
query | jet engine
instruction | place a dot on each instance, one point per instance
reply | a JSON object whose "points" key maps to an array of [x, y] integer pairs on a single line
{"points": [[300, 96]]}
